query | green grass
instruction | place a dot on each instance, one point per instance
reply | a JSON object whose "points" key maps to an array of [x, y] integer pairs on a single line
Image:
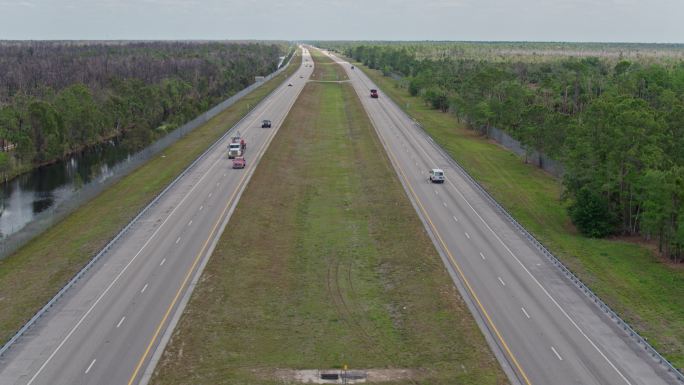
{"points": [[33, 274], [325, 69], [325, 263], [644, 290]]}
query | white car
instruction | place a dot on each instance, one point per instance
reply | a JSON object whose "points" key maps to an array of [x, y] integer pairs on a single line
{"points": [[436, 175]]}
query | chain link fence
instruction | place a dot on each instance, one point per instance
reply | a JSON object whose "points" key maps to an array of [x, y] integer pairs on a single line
{"points": [[54, 214], [542, 161]]}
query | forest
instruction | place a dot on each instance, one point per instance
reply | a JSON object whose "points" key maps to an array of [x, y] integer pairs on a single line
{"points": [[613, 115], [60, 97]]}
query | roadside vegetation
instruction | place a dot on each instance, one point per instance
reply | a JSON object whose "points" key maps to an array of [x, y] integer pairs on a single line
{"points": [[617, 127], [33, 274], [325, 263], [628, 274], [59, 97]]}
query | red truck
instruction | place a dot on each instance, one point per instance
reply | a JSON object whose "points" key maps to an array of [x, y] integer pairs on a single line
{"points": [[239, 162], [374, 93]]}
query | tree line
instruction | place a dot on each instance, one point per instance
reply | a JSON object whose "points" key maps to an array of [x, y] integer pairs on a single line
{"points": [[59, 97], [617, 125]]}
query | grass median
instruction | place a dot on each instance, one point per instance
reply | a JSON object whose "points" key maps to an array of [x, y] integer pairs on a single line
{"points": [[643, 289], [33, 274], [325, 263], [326, 69]]}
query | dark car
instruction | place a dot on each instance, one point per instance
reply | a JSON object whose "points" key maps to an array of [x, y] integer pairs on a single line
{"points": [[266, 124]]}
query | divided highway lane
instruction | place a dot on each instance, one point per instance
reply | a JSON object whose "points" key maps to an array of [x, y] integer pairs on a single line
{"points": [[106, 328], [541, 327]]}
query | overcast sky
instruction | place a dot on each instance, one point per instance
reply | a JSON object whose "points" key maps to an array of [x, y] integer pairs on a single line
{"points": [[537, 20]]}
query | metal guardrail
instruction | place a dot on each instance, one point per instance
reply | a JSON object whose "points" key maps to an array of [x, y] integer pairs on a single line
{"points": [[641, 342], [206, 115], [47, 218]]}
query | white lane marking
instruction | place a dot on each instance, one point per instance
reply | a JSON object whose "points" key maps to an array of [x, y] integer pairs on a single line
{"points": [[178, 240], [217, 183], [201, 207], [224, 174], [483, 257], [114, 281], [121, 273], [444, 203], [189, 223], [162, 262], [436, 193], [143, 289], [536, 281], [455, 219], [525, 312], [90, 366], [501, 280], [210, 194], [556, 353], [120, 322], [467, 235]]}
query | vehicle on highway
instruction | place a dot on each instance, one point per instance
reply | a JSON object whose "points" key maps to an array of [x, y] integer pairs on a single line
{"points": [[374, 93], [436, 175], [266, 123], [239, 162], [352, 67], [301, 76], [236, 147], [289, 84]]}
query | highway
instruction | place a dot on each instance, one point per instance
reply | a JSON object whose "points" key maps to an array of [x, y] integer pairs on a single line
{"points": [[542, 328], [109, 325]]}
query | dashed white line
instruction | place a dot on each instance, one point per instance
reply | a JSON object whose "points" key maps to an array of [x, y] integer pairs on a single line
{"points": [[501, 280], [178, 240], [218, 183], [162, 262], [201, 207], [467, 235], [455, 219], [210, 194], [189, 223], [525, 312], [143, 289], [444, 203], [436, 193], [120, 322], [90, 366], [556, 353], [483, 257]]}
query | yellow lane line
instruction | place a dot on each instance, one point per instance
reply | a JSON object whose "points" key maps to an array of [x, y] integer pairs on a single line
{"points": [[191, 269], [458, 267]]}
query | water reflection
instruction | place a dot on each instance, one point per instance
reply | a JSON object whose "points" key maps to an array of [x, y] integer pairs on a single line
{"points": [[22, 198]]}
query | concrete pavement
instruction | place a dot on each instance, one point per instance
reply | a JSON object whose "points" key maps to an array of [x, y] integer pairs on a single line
{"points": [[105, 329], [542, 329]]}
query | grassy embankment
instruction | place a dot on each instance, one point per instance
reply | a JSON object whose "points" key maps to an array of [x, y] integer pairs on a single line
{"points": [[642, 288], [33, 274], [330, 266]]}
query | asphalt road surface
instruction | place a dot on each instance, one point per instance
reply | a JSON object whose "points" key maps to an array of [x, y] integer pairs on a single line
{"points": [[109, 325], [540, 326]]}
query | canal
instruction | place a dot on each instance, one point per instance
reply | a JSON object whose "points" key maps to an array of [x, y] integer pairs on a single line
{"points": [[30, 194]]}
